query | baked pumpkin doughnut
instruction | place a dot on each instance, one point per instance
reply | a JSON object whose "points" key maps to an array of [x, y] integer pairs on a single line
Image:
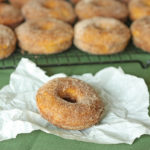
{"points": [[69, 103], [18, 3], [140, 30], [139, 9], [44, 36], [10, 15], [105, 8], [7, 41], [101, 35], [58, 9]]}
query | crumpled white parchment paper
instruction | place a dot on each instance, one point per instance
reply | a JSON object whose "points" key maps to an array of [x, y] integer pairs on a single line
{"points": [[126, 98]]}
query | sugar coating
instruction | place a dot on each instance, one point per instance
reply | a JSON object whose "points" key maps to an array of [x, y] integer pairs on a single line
{"points": [[105, 8], [10, 15], [18, 3], [140, 30], [7, 41], [139, 9], [44, 36], [58, 9], [86, 110], [101, 35]]}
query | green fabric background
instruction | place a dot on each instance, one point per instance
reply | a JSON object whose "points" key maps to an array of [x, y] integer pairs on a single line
{"points": [[38, 140]]}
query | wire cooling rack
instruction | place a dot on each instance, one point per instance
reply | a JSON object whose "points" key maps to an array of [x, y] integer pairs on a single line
{"points": [[73, 56]]}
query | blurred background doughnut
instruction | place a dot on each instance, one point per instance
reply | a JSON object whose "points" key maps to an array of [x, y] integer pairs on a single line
{"points": [[58, 9], [45, 36], [7, 41], [105, 8], [18, 3], [9, 15], [140, 30], [101, 35], [139, 9]]}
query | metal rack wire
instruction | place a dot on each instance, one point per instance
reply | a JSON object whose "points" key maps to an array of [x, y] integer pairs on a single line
{"points": [[76, 57]]}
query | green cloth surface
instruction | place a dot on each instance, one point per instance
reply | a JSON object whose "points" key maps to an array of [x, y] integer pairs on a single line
{"points": [[39, 140]]}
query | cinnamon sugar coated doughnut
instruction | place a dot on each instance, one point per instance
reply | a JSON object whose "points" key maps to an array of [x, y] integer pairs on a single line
{"points": [[58, 9], [101, 35], [10, 15], [69, 103], [45, 36], [7, 41], [106, 8], [139, 9], [140, 30], [18, 3]]}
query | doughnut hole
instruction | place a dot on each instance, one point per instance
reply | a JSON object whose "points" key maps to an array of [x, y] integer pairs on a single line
{"points": [[70, 95]]}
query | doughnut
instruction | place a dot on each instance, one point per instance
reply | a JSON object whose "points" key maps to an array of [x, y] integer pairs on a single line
{"points": [[9, 15], [69, 103], [103, 8], [58, 9], [139, 9], [101, 35], [140, 30], [1, 0], [7, 41], [18, 3], [44, 36]]}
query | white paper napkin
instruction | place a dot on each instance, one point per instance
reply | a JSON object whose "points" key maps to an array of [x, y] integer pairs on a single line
{"points": [[126, 98]]}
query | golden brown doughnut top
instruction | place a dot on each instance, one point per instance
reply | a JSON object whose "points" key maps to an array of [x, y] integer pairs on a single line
{"points": [[9, 11], [58, 9], [7, 36], [141, 33], [101, 35], [49, 28], [101, 25], [69, 103], [7, 41], [44, 36], [141, 28], [105, 8], [10, 15]]}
